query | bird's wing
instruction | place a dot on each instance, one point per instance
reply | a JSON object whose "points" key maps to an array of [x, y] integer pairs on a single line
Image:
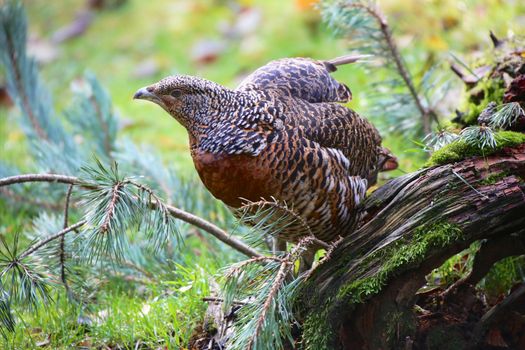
{"points": [[231, 139], [302, 78], [336, 127]]}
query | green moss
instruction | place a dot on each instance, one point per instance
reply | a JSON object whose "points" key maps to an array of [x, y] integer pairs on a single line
{"points": [[503, 275], [317, 333], [452, 152], [460, 150], [509, 138], [406, 253], [486, 91], [493, 178]]}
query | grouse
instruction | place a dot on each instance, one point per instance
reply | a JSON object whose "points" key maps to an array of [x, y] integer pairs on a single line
{"points": [[281, 135]]}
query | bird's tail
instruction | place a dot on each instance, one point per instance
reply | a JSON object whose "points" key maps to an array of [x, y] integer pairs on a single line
{"points": [[332, 64], [387, 160]]}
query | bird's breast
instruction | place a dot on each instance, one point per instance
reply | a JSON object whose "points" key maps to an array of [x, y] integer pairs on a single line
{"points": [[232, 178]]}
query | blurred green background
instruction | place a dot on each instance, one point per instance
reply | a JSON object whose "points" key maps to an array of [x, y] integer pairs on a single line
{"points": [[129, 44]]}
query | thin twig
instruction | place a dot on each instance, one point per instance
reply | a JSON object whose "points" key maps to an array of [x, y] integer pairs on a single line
{"points": [[257, 260], [469, 185], [53, 178], [63, 240], [42, 243], [221, 300], [175, 212], [212, 229]]}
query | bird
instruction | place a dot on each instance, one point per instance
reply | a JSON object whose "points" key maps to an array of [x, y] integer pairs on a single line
{"points": [[283, 135]]}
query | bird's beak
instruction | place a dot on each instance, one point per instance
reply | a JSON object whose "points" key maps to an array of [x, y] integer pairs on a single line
{"points": [[145, 94]]}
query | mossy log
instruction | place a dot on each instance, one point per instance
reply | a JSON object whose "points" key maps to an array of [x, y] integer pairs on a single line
{"points": [[362, 296]]}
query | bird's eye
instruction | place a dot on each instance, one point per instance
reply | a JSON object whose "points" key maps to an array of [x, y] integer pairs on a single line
{"points": [[176, 93]]}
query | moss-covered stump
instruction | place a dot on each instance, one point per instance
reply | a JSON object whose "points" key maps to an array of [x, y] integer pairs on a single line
{"points": [[363, 295]]}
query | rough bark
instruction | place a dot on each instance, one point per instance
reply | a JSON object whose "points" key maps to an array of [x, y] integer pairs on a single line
{"points": [[363, 295]]}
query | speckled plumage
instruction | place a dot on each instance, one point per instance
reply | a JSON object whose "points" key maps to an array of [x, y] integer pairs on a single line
{"points": [[280, 134]]}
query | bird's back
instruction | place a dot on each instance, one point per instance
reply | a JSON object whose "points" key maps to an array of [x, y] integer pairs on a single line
{"points": [[303, 78]]}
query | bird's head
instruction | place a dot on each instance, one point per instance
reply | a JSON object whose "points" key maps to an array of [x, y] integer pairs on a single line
{"points": [[188, 99]]}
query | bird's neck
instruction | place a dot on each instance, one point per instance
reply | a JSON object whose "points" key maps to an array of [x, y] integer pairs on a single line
{"points": [[221, 106]]}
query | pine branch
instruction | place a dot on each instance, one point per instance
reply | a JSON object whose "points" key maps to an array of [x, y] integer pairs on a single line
{"points": [[506, 115], [146, 161], [433, 142], [400, 65], [25, 283], [42, 243], [236, 268], [268, 285], [286, 212], [482, 137], [7, 322], [110, 211], [276, 285], [175, 212], [23, 83], [363, 22], [90, 115], [11, 53], [62, 248]]}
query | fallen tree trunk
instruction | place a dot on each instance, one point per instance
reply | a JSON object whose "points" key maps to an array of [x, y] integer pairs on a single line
{"points": [[363, 295]]}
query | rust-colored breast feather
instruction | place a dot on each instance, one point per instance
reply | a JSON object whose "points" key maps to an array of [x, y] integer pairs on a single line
{"points": [[232, 178]]}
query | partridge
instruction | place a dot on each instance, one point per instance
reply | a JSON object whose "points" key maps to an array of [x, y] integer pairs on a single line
{"points": [[281, 135]]}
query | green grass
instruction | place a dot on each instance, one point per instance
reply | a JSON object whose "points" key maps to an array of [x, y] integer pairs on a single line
{"points": [[162, 316]]}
